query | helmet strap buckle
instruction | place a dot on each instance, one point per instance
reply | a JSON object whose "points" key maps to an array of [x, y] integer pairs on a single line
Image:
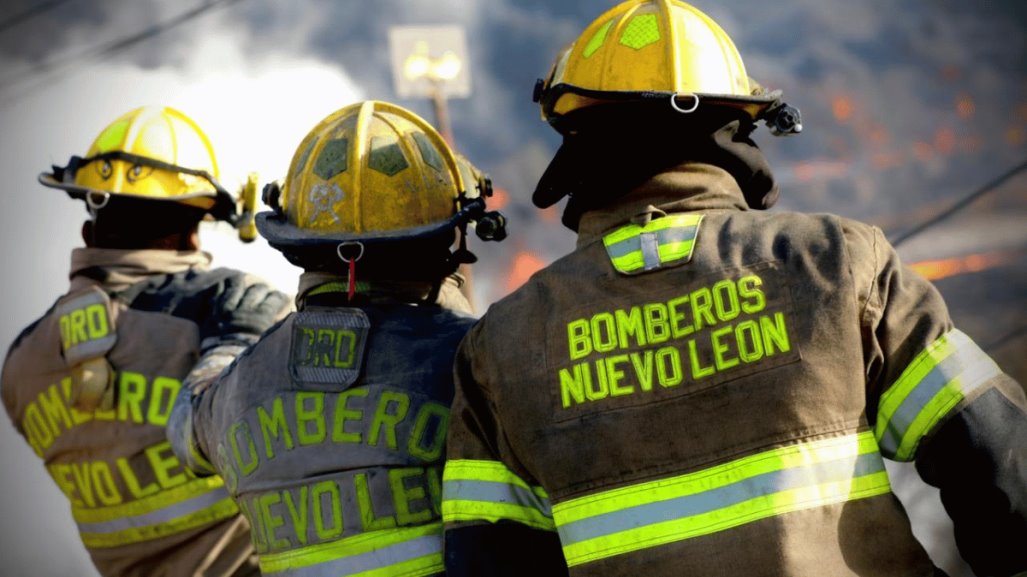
{"points": [[355, 250], [96, 200], [689, 110]]}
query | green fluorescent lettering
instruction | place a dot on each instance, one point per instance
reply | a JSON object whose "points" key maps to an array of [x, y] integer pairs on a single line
{"points": [[657, 328], [80, 471], [162, 400], [310, 416], [384, 419], [725, 300], [630, 328], [368, 520], [96, 321], [350, 338], [643, 364], [318, 493], [65, 325], [164, 462], [678, 328], [258, 529], [244, 467], [54, 409], [132, 482], [749, 289], [616, 375], [720, 348], [59, 472], [775, 333], [274, 426], [604, 333], [750, 348], [702, 308], [434, 475], [579, 341], [698, 371], [226, 469], [272, 521], [343, 414], [39, 435], [602, 388], [132, 392], [103, 481], [402, 495], [573, 387], [298, 513], [78, 326], [668, 367], [430, 413]]}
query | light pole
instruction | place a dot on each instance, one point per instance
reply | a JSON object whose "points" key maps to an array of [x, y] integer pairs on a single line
{"points": [[428, 61]]}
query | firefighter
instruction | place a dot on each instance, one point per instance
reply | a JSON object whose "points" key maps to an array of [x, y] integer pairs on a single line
{"points": [[330, 432], [90, 385], [701, 387]]}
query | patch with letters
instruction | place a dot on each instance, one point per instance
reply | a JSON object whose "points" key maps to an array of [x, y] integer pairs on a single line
{"points": [[327, 348], [87, 325]]}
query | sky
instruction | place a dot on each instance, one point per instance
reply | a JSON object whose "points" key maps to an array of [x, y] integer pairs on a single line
{"points": [[907, 108]]}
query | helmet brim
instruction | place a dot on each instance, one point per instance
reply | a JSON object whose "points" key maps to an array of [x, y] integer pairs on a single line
{"points": [[282, 235]]}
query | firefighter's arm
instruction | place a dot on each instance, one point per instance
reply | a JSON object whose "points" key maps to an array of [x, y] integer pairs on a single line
{"points": [[240, 312], [936, 398], [498, 520]]}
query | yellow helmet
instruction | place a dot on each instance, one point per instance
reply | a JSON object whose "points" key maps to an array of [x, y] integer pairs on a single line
{"points": [[151, 153], [372, 172], [643, 50]]}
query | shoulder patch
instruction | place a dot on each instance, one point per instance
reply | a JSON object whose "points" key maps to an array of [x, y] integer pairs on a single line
{"points": [[327, 347], [87, 325]]}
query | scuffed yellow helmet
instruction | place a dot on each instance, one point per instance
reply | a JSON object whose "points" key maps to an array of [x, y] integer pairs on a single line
{"points": [[642, 50], [151, 153], [371, 172]]}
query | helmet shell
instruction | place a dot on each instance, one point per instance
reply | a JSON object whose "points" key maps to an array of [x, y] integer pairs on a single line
{"points": [[162, 134], [647, 46], [369, 171]]}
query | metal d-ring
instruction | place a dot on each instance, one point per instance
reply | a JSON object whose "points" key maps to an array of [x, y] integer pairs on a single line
{"points": [[94, 205], [342, 245], [674, 104]]}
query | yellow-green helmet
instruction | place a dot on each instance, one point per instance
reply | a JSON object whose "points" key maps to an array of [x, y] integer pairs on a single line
{"points": [[372, 172], [644, 50], [150, 153]]}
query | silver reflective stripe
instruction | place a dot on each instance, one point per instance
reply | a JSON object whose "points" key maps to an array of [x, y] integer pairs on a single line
{"points": [[377, 559], [968, 363], [193, 505], [650, 250], [719, 498], [493, 492]]}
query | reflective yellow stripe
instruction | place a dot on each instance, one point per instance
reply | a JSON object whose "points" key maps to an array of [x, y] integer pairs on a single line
{"points": [[939, 378], [634, 248], [764, 485], [477, 490], [194, 504], [411, 552]]}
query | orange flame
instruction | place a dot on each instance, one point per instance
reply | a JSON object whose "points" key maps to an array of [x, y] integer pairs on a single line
{"points": [[842, 109], [944, 268], [965, 107], [498, 199], [525, 264]]}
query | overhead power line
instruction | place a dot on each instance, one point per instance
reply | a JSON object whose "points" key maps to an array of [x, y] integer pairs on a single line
{"points": [[113, 47], [959, 205], [30, 12]]}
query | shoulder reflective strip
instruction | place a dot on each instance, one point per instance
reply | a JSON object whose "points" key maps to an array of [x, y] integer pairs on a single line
{"points": [[410, 552], [634, 248], [477, 490], [939, 378], [764, 485]]}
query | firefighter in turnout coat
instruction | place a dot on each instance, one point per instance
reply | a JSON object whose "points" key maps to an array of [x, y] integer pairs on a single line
{"points": [[701, 387]]}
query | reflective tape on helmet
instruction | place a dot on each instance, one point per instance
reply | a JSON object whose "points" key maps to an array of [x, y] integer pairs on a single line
{"points": [[411, 552], [767, 484], [634, 249], [476, 490], [195, 504], [941, 376]]}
